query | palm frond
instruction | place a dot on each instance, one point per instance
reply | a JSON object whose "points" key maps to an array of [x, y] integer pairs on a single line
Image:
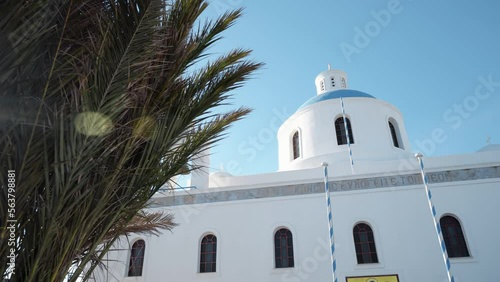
{"points": [[105, 103]]}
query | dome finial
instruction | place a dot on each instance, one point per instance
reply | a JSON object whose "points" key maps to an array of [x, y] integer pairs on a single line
{"points": [[329, 67]]}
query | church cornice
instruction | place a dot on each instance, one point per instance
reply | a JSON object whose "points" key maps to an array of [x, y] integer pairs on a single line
{"points": [[380, 182]]}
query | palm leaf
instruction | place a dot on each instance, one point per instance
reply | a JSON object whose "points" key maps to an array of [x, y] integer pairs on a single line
{"points": [[105, 104]]}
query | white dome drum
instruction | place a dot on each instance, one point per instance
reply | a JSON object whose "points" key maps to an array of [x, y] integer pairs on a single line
{"points": [[316, 132]]}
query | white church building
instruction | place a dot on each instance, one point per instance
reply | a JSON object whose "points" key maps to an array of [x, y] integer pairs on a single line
{"points": [[274, 228]]}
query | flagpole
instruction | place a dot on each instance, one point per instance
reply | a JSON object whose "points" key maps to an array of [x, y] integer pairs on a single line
{"points": [[330, 221], [437, 226]]}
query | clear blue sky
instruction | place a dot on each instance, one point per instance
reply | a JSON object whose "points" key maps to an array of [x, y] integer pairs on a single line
{"points": [[426, 59]]}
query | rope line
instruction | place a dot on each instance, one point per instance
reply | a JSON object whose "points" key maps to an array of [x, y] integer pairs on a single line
{"points": [[347, 134], [436, 222]]}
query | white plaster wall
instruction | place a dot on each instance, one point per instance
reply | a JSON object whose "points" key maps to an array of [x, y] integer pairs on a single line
{"points": [[400, 218]]}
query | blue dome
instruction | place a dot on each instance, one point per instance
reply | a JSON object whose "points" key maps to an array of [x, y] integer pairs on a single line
{"points": [[344, 93]]}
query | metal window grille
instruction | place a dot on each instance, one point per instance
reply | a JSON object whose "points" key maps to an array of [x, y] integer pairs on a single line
{"points": [[137, 258], [364, 243], [394, 135], [295, 145], [340, 131], [208, 254], [283, 248], [453, 237]]}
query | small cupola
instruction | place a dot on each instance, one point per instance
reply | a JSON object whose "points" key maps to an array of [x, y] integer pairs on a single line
{"points": [[330, 80]]}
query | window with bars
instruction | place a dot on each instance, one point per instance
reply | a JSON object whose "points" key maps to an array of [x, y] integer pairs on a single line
{"points": [[283, 248], [343, 83], [394, 135], [364, 243], [208, 253], [137, 258], [295, 145], [453, 237], [332, 80], [322, 85], [340, 131]]}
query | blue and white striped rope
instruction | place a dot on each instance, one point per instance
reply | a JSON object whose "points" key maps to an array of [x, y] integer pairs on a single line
{"points": [[330, 222], [347, 134], [436, 222]]}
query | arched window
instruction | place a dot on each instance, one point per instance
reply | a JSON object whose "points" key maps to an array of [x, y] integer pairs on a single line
{"points": [[340, 130], [208, 253], [394, 135], [283, 248], [295, 145], [364, 243], [453, 237], [137, 258]]}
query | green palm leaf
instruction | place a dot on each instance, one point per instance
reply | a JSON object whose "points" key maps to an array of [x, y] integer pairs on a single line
{"points": [[103, 103]]}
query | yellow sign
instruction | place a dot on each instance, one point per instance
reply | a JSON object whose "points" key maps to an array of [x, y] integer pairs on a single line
{"points": [[376, 278]]}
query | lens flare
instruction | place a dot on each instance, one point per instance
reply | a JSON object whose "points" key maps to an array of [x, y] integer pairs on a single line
{"points": [[93, 124], [144, 127]]}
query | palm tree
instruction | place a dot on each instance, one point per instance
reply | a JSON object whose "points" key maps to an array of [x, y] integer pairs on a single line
{"points": [[102, 102]]}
